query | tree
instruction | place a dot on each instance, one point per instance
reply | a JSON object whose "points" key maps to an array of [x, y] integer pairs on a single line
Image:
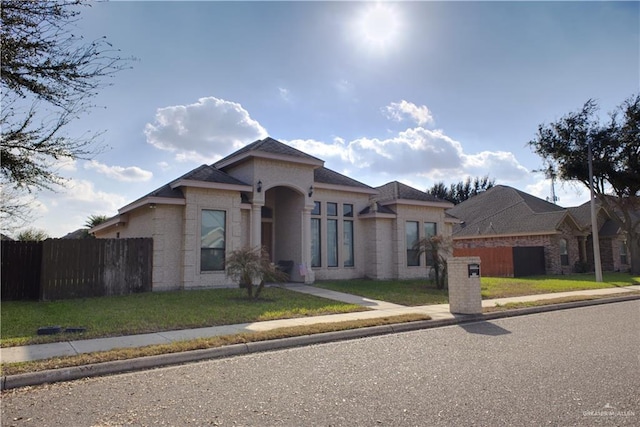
{"points": [[49, 77], [615, 144], [32, 235], [461, 191], [248, 265], [94, 220]]}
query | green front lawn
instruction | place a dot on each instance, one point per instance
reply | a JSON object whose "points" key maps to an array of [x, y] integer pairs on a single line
{"points": [[156, 311], [422, 292], [503, 287]]}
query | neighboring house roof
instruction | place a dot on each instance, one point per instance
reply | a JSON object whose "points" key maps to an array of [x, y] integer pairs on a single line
{"points": [[5, 237], [395, 190], [269, 148], [503, 210], [80, 233], [327, 176]]}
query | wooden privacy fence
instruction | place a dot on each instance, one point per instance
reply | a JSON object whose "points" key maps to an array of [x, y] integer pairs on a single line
{"points": [[76, 268], [507, 261]]}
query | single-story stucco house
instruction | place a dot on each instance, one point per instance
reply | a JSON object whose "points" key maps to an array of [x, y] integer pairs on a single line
{"points": [[516, 233], [269, 194]]}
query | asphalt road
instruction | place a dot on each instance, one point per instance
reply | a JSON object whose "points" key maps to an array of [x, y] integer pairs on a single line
{"points": [[571, 367]]}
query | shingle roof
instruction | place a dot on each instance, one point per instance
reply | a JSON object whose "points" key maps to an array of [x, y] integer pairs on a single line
{"points": [[396, 190], [505, 210], [204, 173], [328, 176], [379, 208], [272, 146]]}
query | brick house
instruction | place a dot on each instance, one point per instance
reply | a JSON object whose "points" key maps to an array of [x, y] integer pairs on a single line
{"points": [[518, 234], [269, 194]]}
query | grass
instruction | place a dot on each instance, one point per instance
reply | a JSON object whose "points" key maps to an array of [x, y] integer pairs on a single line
{"points": [[204, 343], [422, 292], [404, 292], [155, 311], [503, 287], [551, 301]]}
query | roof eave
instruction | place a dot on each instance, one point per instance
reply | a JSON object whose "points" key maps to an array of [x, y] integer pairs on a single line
{"points": [[270, 156], [487, 236], [324, 186], [152, 199], [212, 185], [445, 205]]}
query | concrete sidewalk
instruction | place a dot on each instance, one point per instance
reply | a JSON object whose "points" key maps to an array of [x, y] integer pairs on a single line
{"points": [[378, 309]]}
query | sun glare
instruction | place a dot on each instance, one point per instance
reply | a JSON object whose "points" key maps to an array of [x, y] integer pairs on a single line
{"points": [[379, 26]]}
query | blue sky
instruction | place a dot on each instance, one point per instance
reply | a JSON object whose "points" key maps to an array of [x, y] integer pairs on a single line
{"points": [[417, 92]]}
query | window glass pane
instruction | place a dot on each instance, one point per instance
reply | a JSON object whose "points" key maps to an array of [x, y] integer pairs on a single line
{"points": [[332, 243], [348, 243], [564, 253], [623, 252], [429, 229], [316, 260], [412, 236], [332, 209], [212, 240], [316, 208], [347, 210]]}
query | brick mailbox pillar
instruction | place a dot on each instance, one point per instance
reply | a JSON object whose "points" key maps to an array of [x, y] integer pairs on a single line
{"points": [[464, 285]]}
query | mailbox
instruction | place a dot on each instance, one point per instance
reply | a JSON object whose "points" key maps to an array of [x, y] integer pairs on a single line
{"points": [[474, 270]]}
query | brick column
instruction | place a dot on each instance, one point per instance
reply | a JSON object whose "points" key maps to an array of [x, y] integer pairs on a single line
{"points": [[464, 291]]}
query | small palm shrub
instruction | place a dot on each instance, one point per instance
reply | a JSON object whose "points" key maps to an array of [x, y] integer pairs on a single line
{"points": [[250, 265]]}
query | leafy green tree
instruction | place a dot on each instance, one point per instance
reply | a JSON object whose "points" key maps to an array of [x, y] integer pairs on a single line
{"points": [[461, 191], [49, 77], [250, 265], [32, 235], [615, 145]]}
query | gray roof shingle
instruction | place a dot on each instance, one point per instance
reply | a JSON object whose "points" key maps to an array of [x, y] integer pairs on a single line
{"points": [[328, 176], [505, 210], [396, 190], [272, 146]]}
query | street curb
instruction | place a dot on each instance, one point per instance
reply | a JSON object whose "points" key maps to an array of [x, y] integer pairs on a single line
{"points": [[149, 362]]}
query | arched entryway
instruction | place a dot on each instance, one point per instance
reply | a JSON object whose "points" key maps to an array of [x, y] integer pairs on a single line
{"points": [[282, 227]]}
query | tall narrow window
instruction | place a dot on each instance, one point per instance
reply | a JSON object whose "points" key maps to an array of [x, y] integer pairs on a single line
{"points": [[332, 242], [348, 243], [412, 235], [623, 252], [347, 210], [564, 252], [316, 257], [212, 240], [430, 230]]}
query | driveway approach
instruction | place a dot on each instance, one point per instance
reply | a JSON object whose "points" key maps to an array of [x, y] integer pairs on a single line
{"points": [[569, 367]]}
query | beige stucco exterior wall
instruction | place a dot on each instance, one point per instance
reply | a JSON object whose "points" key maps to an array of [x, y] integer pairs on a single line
{"points": [[197, 200], [378, 252], [421, 214]]}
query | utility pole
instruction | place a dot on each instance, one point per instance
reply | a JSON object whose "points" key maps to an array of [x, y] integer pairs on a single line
{"points": [[594, 222]]}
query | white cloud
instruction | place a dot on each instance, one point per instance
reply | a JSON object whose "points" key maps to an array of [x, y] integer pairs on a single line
{"points": [[119, 173], [210, 128], [164, 166], [398, 111], [285, 94], [501, 165], [68, 209]]}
